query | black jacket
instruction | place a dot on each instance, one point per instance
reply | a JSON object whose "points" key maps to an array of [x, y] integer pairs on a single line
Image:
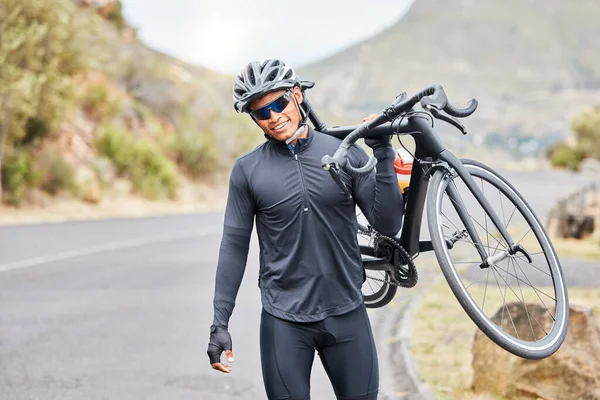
{"points": [[310, 263]]}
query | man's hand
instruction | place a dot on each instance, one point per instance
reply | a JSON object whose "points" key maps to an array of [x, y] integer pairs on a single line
{"points": [[220, 341], [370, 117], [375, 143]]}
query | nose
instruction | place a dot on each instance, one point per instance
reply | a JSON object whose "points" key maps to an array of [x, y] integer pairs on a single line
{"points": [[274, 116]]}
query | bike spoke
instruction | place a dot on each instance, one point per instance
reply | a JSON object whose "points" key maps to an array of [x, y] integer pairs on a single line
{"points": [[477, 280], [523, 301], [487, 277], [525, 305], [537, 292], [527, 283], [449, 220], [522, 257], [504, 305]]}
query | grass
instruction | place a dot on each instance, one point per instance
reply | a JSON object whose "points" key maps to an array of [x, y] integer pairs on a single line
{"points": [[586, 249], [443, 334]]}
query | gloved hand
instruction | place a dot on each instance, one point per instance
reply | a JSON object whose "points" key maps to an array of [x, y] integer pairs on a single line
{"points": [[220, 340], [375, 143]]}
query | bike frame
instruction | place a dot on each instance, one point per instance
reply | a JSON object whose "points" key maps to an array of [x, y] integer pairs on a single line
{"points": [[430, 154]]}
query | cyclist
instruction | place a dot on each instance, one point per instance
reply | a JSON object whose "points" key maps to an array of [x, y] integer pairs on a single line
{"points": [[310, 264]]}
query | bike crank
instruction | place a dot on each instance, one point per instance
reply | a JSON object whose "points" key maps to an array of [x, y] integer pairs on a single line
{"points": [[403, 269]]}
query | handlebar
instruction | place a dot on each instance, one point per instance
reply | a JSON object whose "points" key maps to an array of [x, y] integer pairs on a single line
{"points": [[431, 97]]}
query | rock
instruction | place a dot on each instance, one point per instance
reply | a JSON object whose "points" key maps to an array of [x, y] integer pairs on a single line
{"points": [[89, 184], [590, 166], [91, 192], [573, 372], [592, 395]]}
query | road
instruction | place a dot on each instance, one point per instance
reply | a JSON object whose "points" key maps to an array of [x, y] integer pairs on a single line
{"points": [[120, 309]]}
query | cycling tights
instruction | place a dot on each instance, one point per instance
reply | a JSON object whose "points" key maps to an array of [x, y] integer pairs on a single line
{"points": [[345, 345]]}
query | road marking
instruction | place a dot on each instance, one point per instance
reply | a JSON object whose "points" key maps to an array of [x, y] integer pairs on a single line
{"points": [[86, 251]]}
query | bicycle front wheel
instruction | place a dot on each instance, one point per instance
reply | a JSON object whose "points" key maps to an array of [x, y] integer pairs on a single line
{"points": [[519, 302]]}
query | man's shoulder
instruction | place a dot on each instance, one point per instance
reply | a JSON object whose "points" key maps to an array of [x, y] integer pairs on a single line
{"points": [[252, 154]]}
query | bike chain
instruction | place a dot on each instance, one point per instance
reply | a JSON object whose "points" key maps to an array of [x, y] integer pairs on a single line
{"points": [[406, 257]]}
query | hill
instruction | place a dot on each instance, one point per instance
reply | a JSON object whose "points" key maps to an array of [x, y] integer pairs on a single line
{"points": [[88, 112], [531, 64]]}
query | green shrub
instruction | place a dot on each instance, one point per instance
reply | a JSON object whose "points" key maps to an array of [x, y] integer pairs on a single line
{"points": [[151, 173], [116, 17], [36, 129], [99, 102], [18, 177], [562, 155], [56, 174], [196, 154], [586, 126]]}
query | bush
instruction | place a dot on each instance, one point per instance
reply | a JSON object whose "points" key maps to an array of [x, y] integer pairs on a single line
{"points": [[151, 173], [18, 177], [115, 16], [100, 103], [196, 154], [56, 174], [36, 129], [562, 155], [586, 126]]}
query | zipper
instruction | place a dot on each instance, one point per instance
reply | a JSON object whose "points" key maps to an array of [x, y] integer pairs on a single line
{"points": [[304, 192]]}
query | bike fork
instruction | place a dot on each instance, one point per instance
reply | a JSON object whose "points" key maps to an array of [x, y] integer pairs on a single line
{"points": [[460, 207]]}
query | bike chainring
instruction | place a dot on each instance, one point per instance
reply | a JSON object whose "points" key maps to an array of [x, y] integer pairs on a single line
{"points": [[404, 271]]}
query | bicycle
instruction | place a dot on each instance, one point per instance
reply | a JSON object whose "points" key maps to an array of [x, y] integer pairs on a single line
{"points": [[437, 173]]}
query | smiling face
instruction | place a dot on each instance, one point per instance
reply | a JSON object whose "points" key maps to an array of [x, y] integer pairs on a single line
{"points": [[280, 125]]}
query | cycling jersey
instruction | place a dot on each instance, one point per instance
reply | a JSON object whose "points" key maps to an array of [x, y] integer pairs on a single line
{"points": [[310, 263]]}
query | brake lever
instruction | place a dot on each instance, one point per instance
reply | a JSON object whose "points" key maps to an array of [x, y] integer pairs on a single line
{"points": [[335, 174], [449, 119]]}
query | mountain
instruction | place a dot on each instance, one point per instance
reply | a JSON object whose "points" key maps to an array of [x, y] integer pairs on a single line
{"points": [[530, 63]]}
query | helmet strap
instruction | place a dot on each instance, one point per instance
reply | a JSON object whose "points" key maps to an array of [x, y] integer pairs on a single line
{"points": [[301, 125]]}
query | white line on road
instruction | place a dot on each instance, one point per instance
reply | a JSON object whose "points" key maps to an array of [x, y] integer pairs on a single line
{"points": [[86, 251]]}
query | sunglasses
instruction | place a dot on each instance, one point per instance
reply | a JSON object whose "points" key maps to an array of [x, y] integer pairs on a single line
{"points": [[277, 105]]}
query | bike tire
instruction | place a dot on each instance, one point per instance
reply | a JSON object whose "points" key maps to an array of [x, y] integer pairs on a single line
{"points": [[383, 296], [532, 350]]}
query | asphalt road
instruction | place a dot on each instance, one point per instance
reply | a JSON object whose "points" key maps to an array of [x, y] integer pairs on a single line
{"points": [[120, 309]]}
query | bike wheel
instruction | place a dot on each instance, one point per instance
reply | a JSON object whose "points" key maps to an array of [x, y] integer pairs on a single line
{"points": [[382, 295], [511, 282]]}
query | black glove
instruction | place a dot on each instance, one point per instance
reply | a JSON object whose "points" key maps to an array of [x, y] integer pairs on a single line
{"points": [[220, 341], [375, 143]]}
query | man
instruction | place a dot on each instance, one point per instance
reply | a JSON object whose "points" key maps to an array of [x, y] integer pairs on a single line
{"points": [[310, 264]]}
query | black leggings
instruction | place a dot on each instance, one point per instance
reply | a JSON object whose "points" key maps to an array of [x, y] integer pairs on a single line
{"points": [[346, 348]]}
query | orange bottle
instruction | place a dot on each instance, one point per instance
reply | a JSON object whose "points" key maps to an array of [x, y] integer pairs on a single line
{"points": [[403, 165]]}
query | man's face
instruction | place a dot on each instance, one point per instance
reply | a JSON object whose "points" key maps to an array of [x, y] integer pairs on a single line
{"points": [[280, 125]]}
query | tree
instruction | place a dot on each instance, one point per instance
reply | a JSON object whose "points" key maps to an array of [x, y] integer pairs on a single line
{"points": [[43, 43], [17, 36], [586, 126]]}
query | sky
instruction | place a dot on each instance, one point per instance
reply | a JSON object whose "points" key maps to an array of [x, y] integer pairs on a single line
{"points": [[224, 35]]}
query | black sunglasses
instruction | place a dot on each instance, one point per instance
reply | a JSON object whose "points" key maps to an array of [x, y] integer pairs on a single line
{"points": [[277, 105]]}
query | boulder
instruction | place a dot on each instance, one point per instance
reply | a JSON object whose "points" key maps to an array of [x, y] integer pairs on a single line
{"points": [[573, 372]]}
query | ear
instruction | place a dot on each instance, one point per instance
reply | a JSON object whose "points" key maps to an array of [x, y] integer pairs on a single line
{"points": [[298, 94]]}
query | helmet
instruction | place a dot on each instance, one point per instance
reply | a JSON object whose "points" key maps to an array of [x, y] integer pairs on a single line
{"points": [[259, 78]]}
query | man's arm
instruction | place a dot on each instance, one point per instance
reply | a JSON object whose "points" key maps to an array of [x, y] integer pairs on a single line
{"points": [[378, 194], [233, 252]]}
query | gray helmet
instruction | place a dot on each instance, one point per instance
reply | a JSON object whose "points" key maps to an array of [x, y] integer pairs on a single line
{"points": [[259, 78]]}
